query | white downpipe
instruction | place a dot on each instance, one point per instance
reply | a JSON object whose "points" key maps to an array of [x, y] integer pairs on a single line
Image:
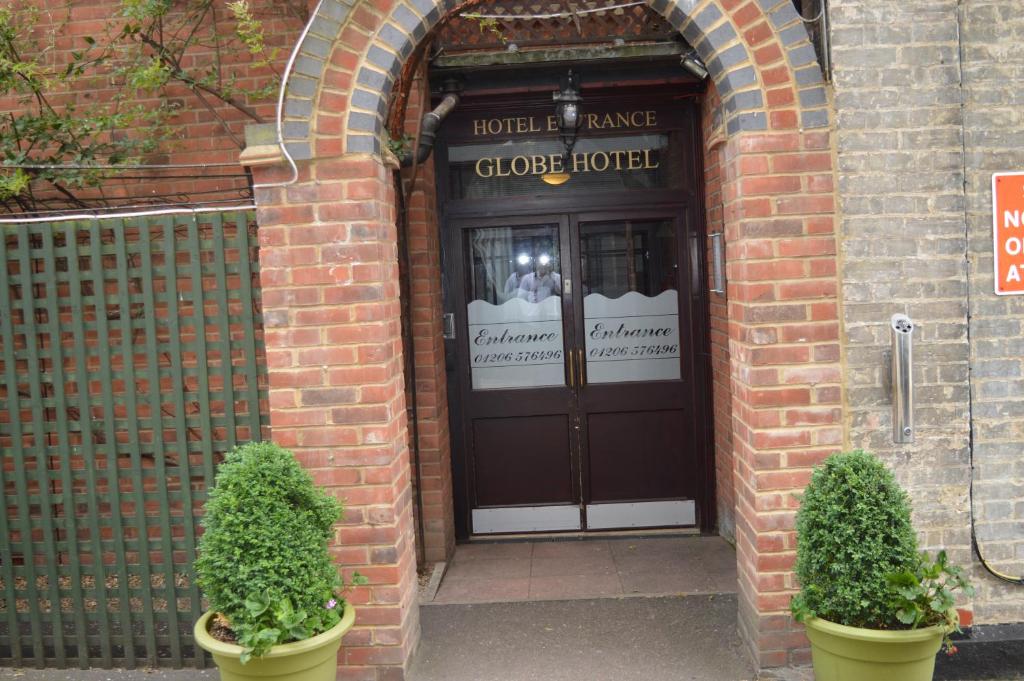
{"points": [[132, 214], [280, 104], [177, 211]]}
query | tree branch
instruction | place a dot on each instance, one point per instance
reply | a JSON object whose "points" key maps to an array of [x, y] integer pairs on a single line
{"points": [[179, 74], [66, 193], [220, 119]]}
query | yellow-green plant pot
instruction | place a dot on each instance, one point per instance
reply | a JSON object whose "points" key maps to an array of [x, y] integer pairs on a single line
{"points": [[315, 659], [842, 653]]}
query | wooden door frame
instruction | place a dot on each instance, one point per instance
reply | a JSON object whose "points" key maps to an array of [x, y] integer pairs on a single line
{"points": [[679, 215], [454, 238], [691, 200]]}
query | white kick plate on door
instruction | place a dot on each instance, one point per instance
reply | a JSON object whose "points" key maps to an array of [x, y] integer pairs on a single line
{"points": [[641, 514], [526, 519]]}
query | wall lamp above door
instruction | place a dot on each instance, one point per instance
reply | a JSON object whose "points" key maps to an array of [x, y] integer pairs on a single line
{"points": [[567, 114]]}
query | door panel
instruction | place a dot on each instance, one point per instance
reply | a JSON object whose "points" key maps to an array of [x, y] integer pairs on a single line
{"points": [[634, 404], [512, 327], [629, 277], [523, 460], [679, 513], [635, 456], [514, 306]]}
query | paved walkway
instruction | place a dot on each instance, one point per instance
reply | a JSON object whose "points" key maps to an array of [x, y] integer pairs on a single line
{"points": [[645, 609], [622, 609], [677, 638], [587, 568]]}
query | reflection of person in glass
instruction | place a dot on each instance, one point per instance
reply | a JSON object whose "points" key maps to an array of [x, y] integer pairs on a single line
{"points": [[515, 279], [542, 282]]}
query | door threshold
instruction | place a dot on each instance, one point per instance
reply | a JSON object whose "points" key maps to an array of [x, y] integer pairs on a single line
{"points": [[584, 536]]}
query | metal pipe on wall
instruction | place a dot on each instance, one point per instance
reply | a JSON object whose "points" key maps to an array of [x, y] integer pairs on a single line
{"points": [[902, 328], [430, 124]]}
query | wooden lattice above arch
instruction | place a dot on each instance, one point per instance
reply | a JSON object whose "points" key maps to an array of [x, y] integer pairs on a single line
{"points": [[539, 24]]}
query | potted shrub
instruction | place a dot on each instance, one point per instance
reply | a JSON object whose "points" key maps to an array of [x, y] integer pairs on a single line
{"points": [[274, 593], [874, 608]]}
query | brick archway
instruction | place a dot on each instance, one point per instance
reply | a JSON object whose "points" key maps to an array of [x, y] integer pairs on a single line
{"points": [[773, 54], [332, 314]]}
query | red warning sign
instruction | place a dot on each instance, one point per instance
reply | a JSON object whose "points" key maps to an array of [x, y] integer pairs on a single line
{"points": [[1008, 232]]}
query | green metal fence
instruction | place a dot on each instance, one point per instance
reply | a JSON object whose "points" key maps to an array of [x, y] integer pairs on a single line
{"points": [[131, 359]]}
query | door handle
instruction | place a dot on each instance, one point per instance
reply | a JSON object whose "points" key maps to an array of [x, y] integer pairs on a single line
{"points": [[902, 378], [582, 362], [572, 370]]}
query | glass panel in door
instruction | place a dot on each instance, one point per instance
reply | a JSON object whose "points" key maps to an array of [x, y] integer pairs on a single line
{"points": [[630, 284], [514, 307]]}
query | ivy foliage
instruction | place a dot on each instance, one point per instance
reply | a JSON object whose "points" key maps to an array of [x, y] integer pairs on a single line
{"points": [[156, 35], [853, 531], [926, 596], [487, 25], [263, 560], [71, 133], [148, 46]]}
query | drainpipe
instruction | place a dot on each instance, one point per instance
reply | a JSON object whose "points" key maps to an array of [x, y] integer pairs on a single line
{"points": [[431, 123], [409, 362]]}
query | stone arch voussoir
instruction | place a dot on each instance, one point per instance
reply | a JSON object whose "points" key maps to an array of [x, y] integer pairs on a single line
{"points": [[744, 59]]}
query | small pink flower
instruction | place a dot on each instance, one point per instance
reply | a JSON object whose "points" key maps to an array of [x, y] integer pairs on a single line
{"points": [[331, 604]]}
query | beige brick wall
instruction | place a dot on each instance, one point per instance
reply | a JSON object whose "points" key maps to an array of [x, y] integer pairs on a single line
{"points": [[993, 68], [904, 144]]}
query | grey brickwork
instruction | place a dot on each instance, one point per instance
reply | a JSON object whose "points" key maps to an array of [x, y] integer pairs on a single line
{"points": [[903, 141], [993, 74], [702, 22]]}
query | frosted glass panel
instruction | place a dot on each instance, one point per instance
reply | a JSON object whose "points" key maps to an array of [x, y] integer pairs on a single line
{"points": [[632, 338], [515, 307], [630, 301]]}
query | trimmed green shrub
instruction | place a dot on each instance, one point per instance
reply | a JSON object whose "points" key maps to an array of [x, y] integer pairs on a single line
{"points": [[853, 530], [263, 560]]}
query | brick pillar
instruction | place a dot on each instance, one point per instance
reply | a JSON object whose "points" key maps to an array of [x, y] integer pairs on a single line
{"points": [[779, 200], [329, 274], [431, 382], [718, 319]]}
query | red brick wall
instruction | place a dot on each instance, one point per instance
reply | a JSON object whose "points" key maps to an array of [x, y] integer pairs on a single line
{"points": [[337, 397], [779, 204], [718, 314], [199, 134], [431, 384]]}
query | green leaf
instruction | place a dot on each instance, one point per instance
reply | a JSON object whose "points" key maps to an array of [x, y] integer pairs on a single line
{"points": [[284, 609], [268, 635], [907, 616], [291, 621], [257, 604], [909, 592]]}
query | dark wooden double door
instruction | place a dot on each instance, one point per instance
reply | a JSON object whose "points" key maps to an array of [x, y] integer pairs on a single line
{"points": [[577, 342]]}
